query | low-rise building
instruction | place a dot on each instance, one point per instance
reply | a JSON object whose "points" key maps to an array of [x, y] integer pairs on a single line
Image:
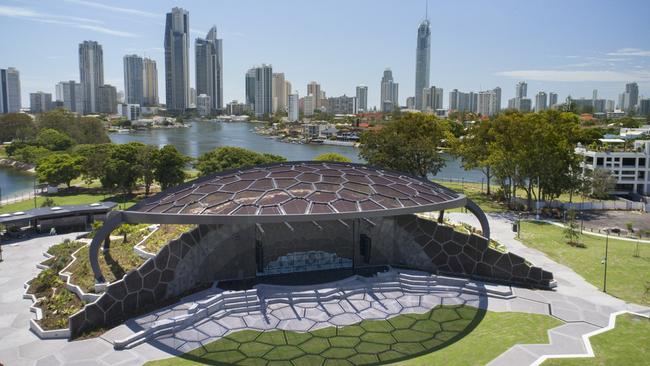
{"points": [[630, 166], [130, 111]]}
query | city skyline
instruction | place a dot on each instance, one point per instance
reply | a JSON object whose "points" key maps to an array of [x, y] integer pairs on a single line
{"points": [[602, 63]]}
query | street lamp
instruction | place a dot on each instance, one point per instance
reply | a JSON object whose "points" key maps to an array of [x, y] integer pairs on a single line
{"points": [[605, 260]]}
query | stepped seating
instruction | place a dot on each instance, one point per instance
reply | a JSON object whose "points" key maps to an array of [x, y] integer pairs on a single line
{"points": [[224, 303]]}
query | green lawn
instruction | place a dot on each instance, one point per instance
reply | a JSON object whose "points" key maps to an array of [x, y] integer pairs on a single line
{"points": [[475, 192], [628, 277], [627, 344], [462, 334], [64, 199]]}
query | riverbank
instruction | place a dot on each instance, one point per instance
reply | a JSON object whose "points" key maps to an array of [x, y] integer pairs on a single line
{"points": [[14, 164]]}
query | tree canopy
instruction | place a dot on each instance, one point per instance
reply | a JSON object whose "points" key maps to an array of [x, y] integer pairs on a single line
{"points": [[169, 166], [229, 157], [408, 143], [59, 168], [332, 157]]}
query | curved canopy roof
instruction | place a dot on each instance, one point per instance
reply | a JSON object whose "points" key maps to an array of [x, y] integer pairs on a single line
{"points": [[295, 191]]}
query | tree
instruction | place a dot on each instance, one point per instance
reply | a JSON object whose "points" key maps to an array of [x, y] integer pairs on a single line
{"points": [[473, 149], [94, 160], [168, 167], [121, 169], [31, 154], [409, 144], [59, 168], [82, 130], [16, 126], [572, 231], [332, 157], [147, 156], [602, 182], [228, 157], [54, 140]]}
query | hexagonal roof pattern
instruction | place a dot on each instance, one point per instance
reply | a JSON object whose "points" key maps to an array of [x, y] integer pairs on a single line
{"points": [[299, 188]]}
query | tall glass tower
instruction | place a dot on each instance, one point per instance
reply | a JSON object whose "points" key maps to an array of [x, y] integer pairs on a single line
{"points": [[422, 62], [177, 59]]}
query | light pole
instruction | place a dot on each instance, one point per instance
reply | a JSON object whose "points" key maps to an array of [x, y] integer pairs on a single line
{"points": [[605, 260]]}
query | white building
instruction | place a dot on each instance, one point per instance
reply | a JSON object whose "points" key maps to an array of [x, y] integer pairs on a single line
{"points": [[489, 102], [40, 102], [71, 94], [130, 111], [630, 167], [293, 107], [203, 105], [309, 105]]}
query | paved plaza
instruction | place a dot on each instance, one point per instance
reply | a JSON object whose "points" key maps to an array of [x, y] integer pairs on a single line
{"points": [[582, 306]]}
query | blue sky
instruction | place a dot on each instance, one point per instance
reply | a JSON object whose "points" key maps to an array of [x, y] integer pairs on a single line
{"points": [[569, 47]]}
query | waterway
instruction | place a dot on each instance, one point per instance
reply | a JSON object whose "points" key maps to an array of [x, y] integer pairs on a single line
{"points": [[203, 136]]}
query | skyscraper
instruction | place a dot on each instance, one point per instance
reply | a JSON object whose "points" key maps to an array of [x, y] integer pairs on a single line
{"points": [[362, 98], [293, 107], [250, 89], [279, 93], [389, 92], [133, 79], [107, 99], [631, 97], [552, 99], [177, 60], [540, 102], [209, 68], [40, 102], [489, 102], [91, 73], [313, 88], [422, 62], [521, 89], [71, 94], [432, 99], [10, 99], [149, 82], [263, 90]]}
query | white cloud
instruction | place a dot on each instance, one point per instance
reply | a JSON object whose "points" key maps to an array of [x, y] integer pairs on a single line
{"points": [[115, 8], [630, 52], [571, 76], [17, 12], [75, 22]]}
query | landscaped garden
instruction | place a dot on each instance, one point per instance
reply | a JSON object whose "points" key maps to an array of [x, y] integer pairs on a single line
{"points": [[464, 334], [628, 275], [56, 302], [115, 263], [163, 235]]}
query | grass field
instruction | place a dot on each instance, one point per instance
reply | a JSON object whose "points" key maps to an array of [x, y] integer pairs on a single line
{"points": [[627, 276], [458, 334], [627, 344], [65, 199]]}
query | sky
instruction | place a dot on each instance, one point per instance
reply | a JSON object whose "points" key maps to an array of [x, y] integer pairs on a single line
{"points": [[566, 46]]}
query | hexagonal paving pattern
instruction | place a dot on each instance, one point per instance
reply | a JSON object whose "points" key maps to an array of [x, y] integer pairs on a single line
{"points": [[366, 342]]}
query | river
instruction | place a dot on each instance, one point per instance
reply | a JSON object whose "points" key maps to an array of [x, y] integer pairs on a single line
{"points": [[203, 136]]}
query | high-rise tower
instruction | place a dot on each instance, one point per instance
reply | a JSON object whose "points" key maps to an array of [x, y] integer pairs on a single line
{"points": [[422, 61], [177, 60], [91, 73], [209, 68], [133, 83]]}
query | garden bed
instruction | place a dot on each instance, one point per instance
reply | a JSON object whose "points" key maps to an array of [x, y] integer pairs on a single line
{"points": [[49, 291], [163, 235], [115, 263]]}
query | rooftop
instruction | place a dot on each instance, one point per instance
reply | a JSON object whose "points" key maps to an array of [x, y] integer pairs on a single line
{"points": [[317, 189]]}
